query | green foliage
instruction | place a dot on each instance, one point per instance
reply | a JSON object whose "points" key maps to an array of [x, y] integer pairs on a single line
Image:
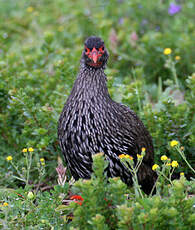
{"points": [[40, 47], [27, 210], [157, 213], [106, 204], [99, 197]]}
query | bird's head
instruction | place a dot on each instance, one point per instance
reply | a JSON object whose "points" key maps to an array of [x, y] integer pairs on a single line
{"points": [[95, 53]]}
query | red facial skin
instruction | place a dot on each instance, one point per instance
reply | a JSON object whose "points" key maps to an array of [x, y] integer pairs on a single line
{"points": [[94, 55]]}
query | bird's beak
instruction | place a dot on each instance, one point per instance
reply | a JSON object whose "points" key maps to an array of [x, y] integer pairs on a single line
{"points": [[94, 55]]}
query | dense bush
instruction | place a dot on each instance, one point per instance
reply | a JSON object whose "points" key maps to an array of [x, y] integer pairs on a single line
{"points": [[40, 48], [103, 204]]}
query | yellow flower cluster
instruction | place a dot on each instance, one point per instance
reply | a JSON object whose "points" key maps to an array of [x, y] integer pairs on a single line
{"points": [[122, 156], [174, 164], [167, 51], [29, 149], [9, 158]]}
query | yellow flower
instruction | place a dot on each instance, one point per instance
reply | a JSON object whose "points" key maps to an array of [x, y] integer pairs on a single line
{"points": [[173, 143], [168, 164], [154, 167], [143, 149], [139, 156], [167, 51], [9, 158], [177, 58], [122, 156], [5, 204], [125, 156], [182, 174], [24, 150], [164, 158], [129, 157], [30, 9], [174, 164], [30, 149]]}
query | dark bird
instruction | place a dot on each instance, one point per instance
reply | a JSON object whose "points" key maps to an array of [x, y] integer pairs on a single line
{"points": [[92, 122]]}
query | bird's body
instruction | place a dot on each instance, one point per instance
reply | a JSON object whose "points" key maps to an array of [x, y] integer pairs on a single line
{"points": [[92, 122]]}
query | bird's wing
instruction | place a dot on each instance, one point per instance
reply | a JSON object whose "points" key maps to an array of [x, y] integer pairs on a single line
{"points": [[133, 132]]}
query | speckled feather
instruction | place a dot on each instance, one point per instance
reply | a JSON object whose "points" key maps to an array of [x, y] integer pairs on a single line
{"points": [[92, 122]]}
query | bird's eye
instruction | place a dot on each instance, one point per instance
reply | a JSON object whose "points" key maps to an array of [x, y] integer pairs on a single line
{"points": [[87, 49], [101, 49]]}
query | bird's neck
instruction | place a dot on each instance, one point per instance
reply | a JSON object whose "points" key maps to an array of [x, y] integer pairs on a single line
{"points": [[91, 82]]}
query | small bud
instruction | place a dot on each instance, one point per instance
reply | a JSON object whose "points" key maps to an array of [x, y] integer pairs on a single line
{"points": [[143, 149], [43, 221], [172, 212], [48, 36], [154, 212], [30, 195]]}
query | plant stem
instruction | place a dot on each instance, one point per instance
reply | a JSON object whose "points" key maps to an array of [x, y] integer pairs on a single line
{"points": [[136, 184], [174, 74], [137, 93], [183, 156], [28, 166], [18, 172]]}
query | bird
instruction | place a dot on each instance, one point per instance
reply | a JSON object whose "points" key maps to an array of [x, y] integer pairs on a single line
{"points": [[91, 122]]}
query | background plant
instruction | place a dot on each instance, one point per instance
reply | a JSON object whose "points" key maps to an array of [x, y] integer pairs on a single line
{"points": [[40, 48]]}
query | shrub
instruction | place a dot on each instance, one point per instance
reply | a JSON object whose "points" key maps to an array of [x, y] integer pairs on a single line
{"points": [[150, 69]]}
